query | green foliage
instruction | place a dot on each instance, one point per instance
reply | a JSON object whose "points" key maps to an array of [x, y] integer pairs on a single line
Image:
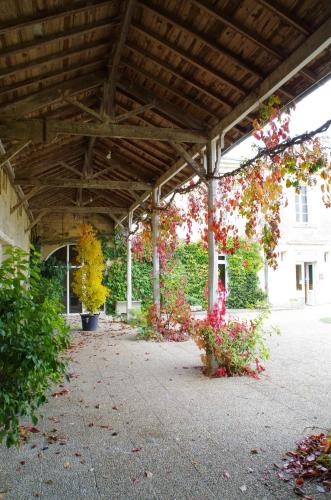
{"points": [[115, 278], [53, 273], [243, 282], [194, 261], [140, 319], [32, 337]]}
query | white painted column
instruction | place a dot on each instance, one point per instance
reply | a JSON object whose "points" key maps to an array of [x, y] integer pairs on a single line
{"points": [[129, 268], [156, 257], [212, 246]]}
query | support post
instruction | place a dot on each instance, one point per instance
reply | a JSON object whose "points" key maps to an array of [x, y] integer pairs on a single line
{"points": [[212, 246], [156, 257], [129, 269]]}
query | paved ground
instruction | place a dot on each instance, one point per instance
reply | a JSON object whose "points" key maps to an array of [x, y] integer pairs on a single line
{"points": [[141, 421]]}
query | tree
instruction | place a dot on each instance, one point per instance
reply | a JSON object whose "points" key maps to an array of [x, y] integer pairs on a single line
{"points": [[87, 281]]}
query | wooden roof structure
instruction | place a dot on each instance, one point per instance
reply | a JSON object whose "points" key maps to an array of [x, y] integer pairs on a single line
{"points": [[102, 100]]}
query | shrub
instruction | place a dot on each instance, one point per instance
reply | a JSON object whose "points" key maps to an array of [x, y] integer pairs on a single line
{"points": [[243, 281], [87, 279], [115, 278], [231, 347], [32, 337]]}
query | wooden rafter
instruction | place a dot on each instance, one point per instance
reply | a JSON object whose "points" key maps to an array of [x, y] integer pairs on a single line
{"points": [[190, 161], [14, 151], [26, 198], [116, 56]]}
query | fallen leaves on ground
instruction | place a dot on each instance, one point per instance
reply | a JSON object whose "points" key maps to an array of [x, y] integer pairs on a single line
{"points": [[311, 460], [135, 450], [61, 392]]}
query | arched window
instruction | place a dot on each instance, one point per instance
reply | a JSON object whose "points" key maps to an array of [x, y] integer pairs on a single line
{"points": [[67, 255]]}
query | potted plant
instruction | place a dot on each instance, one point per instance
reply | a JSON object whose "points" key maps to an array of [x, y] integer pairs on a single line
{"points": [[87, 281]]}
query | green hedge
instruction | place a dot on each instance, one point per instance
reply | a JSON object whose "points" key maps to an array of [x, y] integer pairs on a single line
{"points": [[191, 260], [243, 286]]}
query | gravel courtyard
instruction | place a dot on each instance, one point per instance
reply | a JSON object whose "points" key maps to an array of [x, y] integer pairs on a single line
{"points": [[141, 421]]}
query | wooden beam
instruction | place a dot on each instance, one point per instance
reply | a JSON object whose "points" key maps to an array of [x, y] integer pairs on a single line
{"points": [[26, 198], [133, 112], [156, 256], [15, 150], [189, 160], [203, 38], [81, 183], [82, 210], [52, 94], [73, 33], [39, 130], [80, 105], [191, 59], [129, 268], [164, 106], [309, 49], [117, 53], [69, 167], [212, 245]]}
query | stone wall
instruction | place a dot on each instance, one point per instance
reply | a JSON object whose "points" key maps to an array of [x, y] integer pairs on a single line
{"points": [[56, 229], [12, 225]]}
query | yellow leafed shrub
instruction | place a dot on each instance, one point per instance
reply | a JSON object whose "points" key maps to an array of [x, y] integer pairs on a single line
{"points": [[87, 281]]}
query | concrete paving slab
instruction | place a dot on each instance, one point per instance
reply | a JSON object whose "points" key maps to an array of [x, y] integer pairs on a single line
{"points": [[142, 422]]}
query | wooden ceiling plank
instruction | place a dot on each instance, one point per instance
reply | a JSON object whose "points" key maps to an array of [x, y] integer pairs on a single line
{"points": [[239, 28], [308, 50], [51, 94], [287, 16], [49, 15], [56, 37], [212, 44], [191, 59], [160, 104], [55, 74], [52, 58]]}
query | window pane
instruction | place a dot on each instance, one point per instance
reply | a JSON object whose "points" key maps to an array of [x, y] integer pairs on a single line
{"points": [[298, 276]]}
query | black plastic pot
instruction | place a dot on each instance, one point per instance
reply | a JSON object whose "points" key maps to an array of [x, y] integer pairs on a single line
{"points": [[89, 322]]}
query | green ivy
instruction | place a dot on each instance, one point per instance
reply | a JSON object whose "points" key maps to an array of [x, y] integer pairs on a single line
{"points": [[191, 262], [243, 286], [33, 335], [115, 278]]}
